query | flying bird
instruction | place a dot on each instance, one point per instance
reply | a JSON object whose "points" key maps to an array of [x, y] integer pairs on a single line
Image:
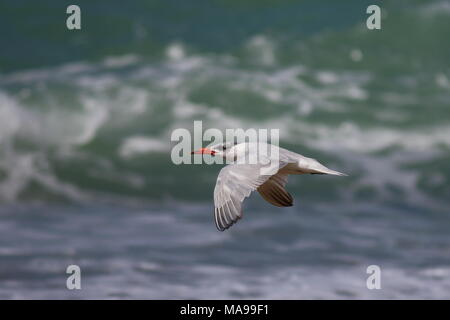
{"points": [[268, 175]]}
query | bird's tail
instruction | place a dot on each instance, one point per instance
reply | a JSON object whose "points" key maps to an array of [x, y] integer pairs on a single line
{"points": [[317, 167], [335, 173]]}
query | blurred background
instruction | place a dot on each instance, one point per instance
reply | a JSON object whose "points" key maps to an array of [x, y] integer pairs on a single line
{"points": [[85, 170]]}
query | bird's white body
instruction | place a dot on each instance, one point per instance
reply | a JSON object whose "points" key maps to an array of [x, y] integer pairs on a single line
{"points": [[256, 166], [265, 153]]}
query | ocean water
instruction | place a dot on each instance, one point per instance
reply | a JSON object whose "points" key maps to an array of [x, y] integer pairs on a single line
{"points": [[86, 176]]}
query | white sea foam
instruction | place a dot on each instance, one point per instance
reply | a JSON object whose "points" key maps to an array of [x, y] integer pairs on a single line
{"points": [[121, 61], [262, 50], [175, 52], [136, 145]]}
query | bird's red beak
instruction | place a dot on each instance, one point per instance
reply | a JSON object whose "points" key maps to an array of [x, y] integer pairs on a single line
{"points": [[204, 151]]}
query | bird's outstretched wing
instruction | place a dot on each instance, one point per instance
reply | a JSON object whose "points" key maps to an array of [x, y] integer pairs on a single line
{"points": [[274, 192], [235, 183]]}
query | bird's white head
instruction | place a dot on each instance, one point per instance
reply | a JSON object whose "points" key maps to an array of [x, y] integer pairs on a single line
{"points": [[227, 150]]}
